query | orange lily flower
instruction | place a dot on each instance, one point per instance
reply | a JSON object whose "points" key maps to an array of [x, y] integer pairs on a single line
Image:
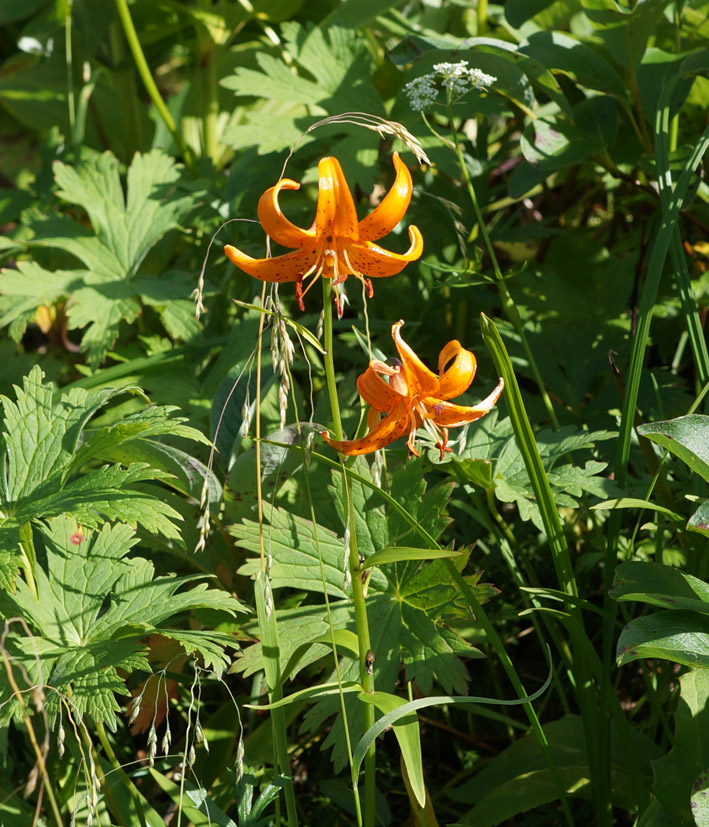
{"points": [[414, 396], [336, 245]]}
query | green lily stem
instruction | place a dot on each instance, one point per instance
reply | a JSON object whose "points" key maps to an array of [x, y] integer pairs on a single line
{"points": [[115, 763], [330, 362], [506, 299], [356, 573], [150, 86]]}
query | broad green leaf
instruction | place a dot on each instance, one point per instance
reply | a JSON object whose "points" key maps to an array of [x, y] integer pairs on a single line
{"points": [[518, 12], [353, 14], [519, 779], [687, 437], [625, 30], [676, 773], [660, 585], [699, 521], [407, 734], [94, 607], [125, 228], [579, 60], [679, 636]]}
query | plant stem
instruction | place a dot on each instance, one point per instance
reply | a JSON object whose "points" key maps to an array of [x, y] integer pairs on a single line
{"points": [[481, 18], [506, 299], [275, 690], [124, 81], [39, 755], [330, 362], [70, 72], [210, 94], [29, 557], [125, 778], [358, 597], [150, 85]]}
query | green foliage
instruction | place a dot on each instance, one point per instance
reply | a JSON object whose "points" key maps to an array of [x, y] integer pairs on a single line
{"points": [[45, 444], [565, 203], [85, 622], [124, 228], [519, 777]]}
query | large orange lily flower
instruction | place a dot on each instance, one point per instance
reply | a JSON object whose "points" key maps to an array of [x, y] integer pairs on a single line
{"points": [[414, 396], [336, 245]]}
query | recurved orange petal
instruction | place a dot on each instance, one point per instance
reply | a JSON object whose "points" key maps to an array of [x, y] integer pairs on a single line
{"points": [[336, 214], [374, 390], [448, 415], [289, 267], [391, 208], [278, 227], [460, 373], [373, 261], [394, 425], [420, 380]]}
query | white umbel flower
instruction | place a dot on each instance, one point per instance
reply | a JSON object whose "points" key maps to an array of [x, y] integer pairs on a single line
{"points": [[456, 78]]}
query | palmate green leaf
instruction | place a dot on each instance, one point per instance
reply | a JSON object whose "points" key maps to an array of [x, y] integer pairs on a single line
{"points": [[102, 495], [157, 420], [492, 459], [44, 445], [292, 543], [401, 631], [125, 228], [93, 608], [331, 73], [40, 436]]}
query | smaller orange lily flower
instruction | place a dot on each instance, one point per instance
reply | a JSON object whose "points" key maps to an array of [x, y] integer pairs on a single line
{"points": [[414, 396], [336, 245]]}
